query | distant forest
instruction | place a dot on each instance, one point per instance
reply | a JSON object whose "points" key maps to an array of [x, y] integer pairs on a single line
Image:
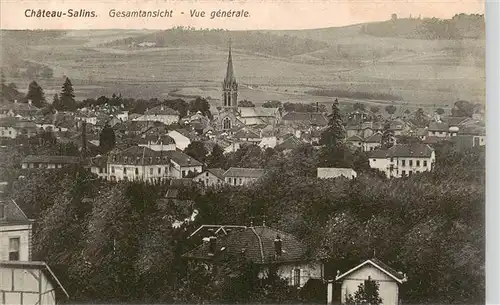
{"points": [[459, 27], [252, 41]]}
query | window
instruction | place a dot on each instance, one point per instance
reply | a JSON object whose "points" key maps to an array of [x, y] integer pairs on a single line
{"points": [[234, 181], [206, 174], [166, 169], [392, 159], [2, 211], [159, 170], [183, 173], [14, 244], [425, 162], [296, 277], [403, 173], [124, 170], [100, 170], [409, 173], [418, 162], [411, 162], [374, 160], [403, 162], [229, 179], [113, 169], [137, 171], [241, 181]]}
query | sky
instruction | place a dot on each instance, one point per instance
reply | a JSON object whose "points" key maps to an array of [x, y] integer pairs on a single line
{"points": [[264, 14]]}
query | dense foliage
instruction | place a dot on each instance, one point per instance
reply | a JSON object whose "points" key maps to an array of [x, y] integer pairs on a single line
{"points": [[103, 238]]}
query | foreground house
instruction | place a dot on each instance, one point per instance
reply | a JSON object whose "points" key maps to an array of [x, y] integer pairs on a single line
{"points": [[403, 159], [375, 270], [210, 177], [260, 245], [23, 281], [12, 128]]}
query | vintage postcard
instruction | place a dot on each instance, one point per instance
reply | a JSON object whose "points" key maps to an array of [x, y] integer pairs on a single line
{"points": [[212, 151]]}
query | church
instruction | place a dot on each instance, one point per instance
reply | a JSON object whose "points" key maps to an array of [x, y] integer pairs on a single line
{"points": [[230, 117]]}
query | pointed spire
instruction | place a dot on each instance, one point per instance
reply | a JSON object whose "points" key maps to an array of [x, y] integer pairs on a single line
{"points": [[229, 72]]}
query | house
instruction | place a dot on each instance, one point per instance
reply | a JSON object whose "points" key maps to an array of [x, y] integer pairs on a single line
{"points": [[210, 177], [288, 144], [261, 245], [372, 142], [247, 135], [331, 172], [438, 129], [242, 176], [20, 110], [157, 142], [403, 159], [98, 165], [23, 281], [12, 128], [182, 165], [162, 114], [268, 142], [48, 162], [375, 270], [181, 141]]}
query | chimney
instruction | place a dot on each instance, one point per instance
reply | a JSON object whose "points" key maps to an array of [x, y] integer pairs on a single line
{"points": [[212, 246], [278, 246]]}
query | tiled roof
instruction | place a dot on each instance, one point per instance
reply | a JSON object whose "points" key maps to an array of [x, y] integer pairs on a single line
{"points": [[375, 138], [255, 244], [246, 133], [244, 172], [51, 159], [138, 155], [12, 213], [247, 112], [404, 150], [218, 172], [155, 139], [181, 158], [290, 143], [313, 118]]}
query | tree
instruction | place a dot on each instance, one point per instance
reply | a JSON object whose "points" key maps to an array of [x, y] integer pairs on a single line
{"points": [[36, 95], [56, 102], [387, 140], [246, 103], [217, 159], [420, 118], [47, 73], [107, 139], [201, 105], [440, 111], [359, 106], [334, 134], [374, 109], [67, 96], [367, 293], [272, 104], [390, 109], [463, 109], [197, 150]]}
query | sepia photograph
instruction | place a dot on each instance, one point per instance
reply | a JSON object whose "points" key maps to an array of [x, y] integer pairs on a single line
{"points": [[334, 163]]}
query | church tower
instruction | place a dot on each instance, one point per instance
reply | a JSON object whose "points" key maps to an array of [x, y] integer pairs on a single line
{"points": [[230, 86]]}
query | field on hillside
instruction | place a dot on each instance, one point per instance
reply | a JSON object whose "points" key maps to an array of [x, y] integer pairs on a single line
{"points": [[422, 72]]}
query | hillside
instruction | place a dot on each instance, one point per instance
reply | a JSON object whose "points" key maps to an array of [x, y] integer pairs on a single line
{"points": [[253, 42]]}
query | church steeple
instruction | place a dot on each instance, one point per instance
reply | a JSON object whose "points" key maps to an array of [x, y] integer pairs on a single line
{"points": [[230, 86]]}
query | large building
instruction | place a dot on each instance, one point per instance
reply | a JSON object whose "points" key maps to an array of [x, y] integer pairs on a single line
{"points": [[403, 159]]}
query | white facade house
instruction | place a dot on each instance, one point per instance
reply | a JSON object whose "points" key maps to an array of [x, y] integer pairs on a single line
{"points": [[374, 270], [210, 177], [162, 114], [403, 159], [22, 281], [181, 141], [48, 162]]}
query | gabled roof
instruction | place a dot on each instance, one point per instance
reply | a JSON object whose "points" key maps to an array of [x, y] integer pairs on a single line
{"points": [[396, 276], [355, 138], [181, 158], [314, 118], [218, 172], [404, 150], [13, 214], [290, 143], [244, 172], [248, 112], [255, 244], [374, 138]]}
